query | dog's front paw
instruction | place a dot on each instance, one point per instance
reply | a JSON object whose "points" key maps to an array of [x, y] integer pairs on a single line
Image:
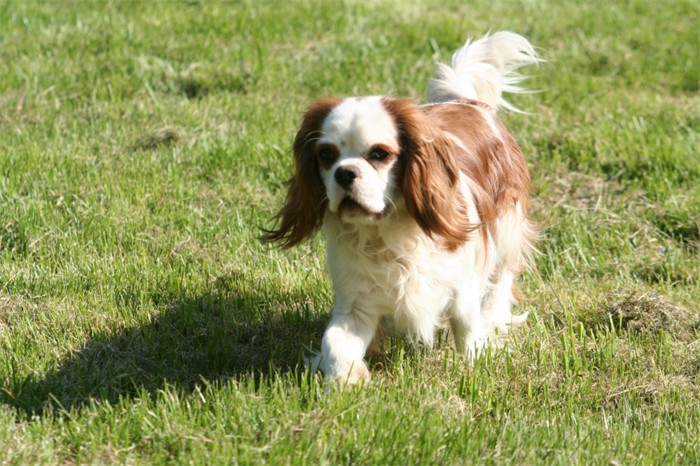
{"points": [[357, 374]]}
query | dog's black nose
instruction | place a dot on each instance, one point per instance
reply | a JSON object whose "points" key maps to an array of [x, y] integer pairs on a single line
{"points": [[344, 176]]}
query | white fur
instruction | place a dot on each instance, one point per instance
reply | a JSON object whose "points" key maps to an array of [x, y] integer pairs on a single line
{"points": [[388, 268], [483, 70], [392, 270]]}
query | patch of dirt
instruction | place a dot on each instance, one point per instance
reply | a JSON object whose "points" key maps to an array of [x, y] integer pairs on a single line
{"points": [[579, 191], [163, 137], [9, 305], [649, 312], [648, 390]]}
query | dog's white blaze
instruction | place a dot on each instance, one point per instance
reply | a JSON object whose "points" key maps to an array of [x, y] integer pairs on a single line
{"points": [[357, 124], [354, 126]]}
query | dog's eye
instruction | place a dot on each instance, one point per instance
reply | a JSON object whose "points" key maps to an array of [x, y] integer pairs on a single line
{"points": [[378, 154], [326, 155]]}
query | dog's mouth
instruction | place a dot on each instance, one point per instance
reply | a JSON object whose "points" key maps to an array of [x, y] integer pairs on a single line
{"points": [[350, 207]]}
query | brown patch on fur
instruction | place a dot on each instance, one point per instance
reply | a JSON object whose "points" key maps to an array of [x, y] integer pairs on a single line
{"points": [[302, 214], [440, 140], [493, 161], [430, 175]]}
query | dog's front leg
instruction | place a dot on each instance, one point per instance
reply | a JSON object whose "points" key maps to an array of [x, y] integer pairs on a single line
{"points": [[468, 325], [344, 344]]}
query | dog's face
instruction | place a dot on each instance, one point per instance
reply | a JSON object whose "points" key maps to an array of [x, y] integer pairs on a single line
{"points": [[362, 159], [357, 152]]}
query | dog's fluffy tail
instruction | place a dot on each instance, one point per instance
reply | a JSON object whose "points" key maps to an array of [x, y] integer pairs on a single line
{"points": [[483, 70]]}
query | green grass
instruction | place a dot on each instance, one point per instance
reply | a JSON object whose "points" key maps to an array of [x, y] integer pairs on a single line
{"points": [[144, 144]]}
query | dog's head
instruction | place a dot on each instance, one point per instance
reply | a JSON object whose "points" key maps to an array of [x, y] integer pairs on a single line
{"points": [[362, 159]]}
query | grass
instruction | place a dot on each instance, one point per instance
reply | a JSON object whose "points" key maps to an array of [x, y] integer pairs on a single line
{"points": [[143, 145]]}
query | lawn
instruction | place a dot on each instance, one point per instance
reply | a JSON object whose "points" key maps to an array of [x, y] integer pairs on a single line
{"points": [[143, 146]]}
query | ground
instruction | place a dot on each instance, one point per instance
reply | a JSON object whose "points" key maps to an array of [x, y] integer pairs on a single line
{"points": [[143, 146]]}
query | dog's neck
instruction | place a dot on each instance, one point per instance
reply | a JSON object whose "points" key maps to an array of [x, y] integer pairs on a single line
{"points": [[386, 239]]}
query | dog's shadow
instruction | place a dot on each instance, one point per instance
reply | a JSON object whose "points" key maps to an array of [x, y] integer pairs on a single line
{"points": [[235, 331]]}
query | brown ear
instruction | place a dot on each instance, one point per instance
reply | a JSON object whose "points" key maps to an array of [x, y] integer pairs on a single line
{"points": [[302, 213], [430, 176]]}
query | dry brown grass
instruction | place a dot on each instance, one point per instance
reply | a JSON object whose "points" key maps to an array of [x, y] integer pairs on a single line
{"points": [[648, 312], [8, 309], [162, 137]]}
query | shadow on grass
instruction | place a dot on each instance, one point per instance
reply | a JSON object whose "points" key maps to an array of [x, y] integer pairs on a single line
{"points": [[231, 332]]}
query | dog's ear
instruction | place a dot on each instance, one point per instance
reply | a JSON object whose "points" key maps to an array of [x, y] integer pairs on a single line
{"points": [[430, 176], [305, 204]]}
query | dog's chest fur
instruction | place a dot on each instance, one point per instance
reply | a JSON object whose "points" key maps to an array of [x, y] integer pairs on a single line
{"points": [[393, 270]]}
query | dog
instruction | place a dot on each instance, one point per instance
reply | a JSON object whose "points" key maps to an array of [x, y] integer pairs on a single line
{"points": [[423, 208]]}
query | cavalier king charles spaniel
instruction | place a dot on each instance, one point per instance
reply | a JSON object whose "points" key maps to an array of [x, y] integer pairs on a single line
{"points": [[423, 208]]}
